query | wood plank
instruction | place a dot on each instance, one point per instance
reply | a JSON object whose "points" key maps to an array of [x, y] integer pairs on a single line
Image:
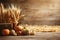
{"points": [[38, 36]]}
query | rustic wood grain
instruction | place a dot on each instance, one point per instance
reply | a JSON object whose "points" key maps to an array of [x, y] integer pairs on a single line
{"points": [[39, 11], [39, 36]]}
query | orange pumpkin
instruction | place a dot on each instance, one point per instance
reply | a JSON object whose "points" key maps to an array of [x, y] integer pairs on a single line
{"points": [[18, 28], [5, 32]]}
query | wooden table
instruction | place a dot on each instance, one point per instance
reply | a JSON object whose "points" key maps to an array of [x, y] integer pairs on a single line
{"points": [[38, 36]]}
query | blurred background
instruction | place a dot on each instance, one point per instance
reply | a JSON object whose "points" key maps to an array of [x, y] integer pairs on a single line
{"points": [[41, 12]]}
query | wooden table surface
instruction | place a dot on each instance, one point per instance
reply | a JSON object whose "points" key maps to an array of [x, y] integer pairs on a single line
{"points": [[38, 36]]}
